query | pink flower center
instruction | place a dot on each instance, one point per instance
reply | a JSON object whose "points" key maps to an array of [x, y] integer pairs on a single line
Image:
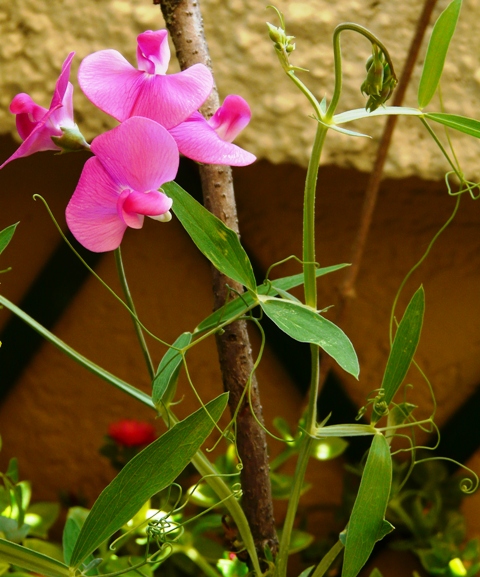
{"points": [[133, 205]]}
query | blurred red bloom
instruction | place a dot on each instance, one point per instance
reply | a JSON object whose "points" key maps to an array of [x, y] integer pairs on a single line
{"points": [[132, 433]]}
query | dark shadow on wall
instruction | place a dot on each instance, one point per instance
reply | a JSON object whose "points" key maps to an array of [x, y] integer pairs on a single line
{"points": [[57, 282]]}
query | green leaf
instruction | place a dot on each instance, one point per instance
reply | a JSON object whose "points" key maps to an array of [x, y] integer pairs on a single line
{"points": [[6, 236], [247, 300], [168, 370], [13, 530], [367, 523], [153, 469], [360, 113], [80, 359], [403, 348], [213, 238], [12, 470], [75, 520], [461, 123], [348, 430], [437, 52], [49, 549], [31, 560], [307, 326]]}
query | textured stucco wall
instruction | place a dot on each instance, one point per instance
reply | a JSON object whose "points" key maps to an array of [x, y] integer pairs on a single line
{"points": [[38, 34]]}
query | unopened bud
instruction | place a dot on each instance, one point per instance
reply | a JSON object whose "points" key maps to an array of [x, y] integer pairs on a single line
{"points": [[276, 34], [379, 83], [71, 140]]}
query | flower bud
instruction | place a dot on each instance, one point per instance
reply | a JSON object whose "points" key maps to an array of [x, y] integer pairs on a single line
{"points": [[380, 82], [71, 140], [282, 43]]}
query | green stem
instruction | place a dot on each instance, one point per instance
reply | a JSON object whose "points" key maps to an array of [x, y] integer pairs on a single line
{"points": [[329, 558], [420, 261], [303, 458], [441, 147], [309, 264], [310, 287], [337, 54], [133, 313]]}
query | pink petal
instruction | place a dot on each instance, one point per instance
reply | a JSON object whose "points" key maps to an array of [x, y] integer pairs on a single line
{"points": [[131, 219], [151, 203], [62, 116], [28, 114], [139, 154], [197, 140], [35, 124], [120, 90], [92, 214], [153, 51], [231, 118], [110, 82], [62, 83], [171, 99]]}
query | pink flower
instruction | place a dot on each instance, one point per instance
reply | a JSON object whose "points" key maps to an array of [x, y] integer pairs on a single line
{"points": [[132, 433], [122, 91], [210, 141], [37, 125], [119, 186]]}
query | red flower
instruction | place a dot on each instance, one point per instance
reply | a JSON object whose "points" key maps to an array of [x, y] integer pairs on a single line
{"points": [[132, 433]]}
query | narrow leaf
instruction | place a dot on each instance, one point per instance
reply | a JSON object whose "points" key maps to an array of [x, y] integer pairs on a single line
{"points": [[347, 430], [367, 522], [345, 131], [307, 326], [80, 359], [404, 345], [359, 113], [461, 123], [328, 559], [246, 301], [168, 370], [149, 472], [437, 52], [213, 238], [31, 560], [6, 236]]}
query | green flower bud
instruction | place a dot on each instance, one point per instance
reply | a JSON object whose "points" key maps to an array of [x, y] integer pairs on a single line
{"points": [[277, 35], [282, 43], [374, 81], [379, 83], [71, 140]]}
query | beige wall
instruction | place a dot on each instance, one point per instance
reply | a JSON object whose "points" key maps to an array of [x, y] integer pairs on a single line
{"points": [[38, 34]]}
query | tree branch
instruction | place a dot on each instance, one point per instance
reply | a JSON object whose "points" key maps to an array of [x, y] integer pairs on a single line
{"points": [[184, 22]]}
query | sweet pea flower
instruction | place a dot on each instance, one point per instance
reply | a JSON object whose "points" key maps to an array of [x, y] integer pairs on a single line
{"points": [[210, 141], [42, 129], [119, 185], [122, 91]]}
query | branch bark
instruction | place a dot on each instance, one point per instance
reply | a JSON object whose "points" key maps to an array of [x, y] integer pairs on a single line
{"points": [[184, 22]]}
